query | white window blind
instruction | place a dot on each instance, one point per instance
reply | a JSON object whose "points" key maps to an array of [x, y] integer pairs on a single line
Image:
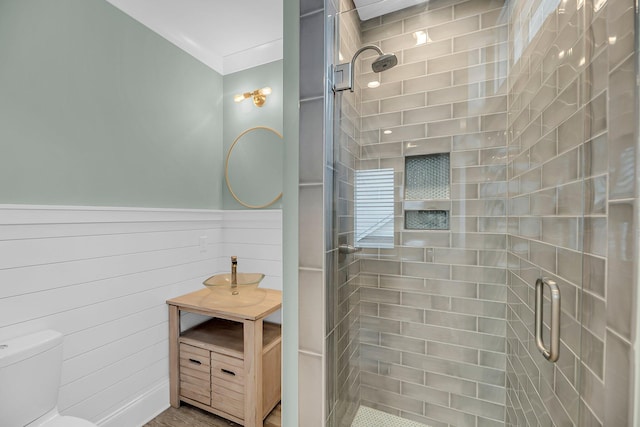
{"points": [[374, 222]]}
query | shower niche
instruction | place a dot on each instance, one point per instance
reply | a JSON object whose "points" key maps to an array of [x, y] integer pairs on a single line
{"points": [[427, 192]]}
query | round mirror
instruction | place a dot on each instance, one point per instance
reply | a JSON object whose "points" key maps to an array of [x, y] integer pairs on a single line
{"points": [[253, 169]]}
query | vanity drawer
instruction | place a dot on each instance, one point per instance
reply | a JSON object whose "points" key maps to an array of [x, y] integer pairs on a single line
{"points": [[194, 357], [227, 370], [227, 384], [195, 373]]}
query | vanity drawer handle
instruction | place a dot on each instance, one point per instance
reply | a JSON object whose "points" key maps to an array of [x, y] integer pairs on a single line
{"points": [[226, 371], [197, 362]]}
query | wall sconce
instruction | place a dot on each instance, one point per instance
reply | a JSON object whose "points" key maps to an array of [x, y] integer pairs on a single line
{"points": [[259, 96]]}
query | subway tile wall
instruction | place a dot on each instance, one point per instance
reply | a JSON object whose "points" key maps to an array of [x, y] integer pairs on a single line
{"points": [[571, 151], [433, 308]]}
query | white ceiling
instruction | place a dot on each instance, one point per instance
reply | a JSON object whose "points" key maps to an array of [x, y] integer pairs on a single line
{"points": [[227, 35]]}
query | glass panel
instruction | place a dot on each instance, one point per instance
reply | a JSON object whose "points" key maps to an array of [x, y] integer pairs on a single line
{"points": [[423, 335], [343, 302], [535, 104]]}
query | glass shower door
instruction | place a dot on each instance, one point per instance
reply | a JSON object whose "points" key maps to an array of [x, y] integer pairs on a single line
{"points": [[418, 334], [508, 131], [546, 210], [572, 117]]}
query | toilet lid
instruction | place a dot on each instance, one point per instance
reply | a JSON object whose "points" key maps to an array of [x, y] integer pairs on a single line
{"points": [[68, 422]]}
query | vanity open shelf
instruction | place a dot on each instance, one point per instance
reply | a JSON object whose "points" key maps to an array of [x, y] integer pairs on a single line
{"points": [[229, 365]]}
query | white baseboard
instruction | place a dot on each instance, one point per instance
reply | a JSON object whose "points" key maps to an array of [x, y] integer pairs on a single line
{"points": [[141, 410]]}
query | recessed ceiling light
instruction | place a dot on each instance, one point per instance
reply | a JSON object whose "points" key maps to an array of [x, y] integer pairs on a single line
{"points": [[388, 132], [421, 37], [374, 84]]}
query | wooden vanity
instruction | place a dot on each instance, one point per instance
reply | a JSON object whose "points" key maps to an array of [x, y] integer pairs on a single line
{"points": [[229, 365]]}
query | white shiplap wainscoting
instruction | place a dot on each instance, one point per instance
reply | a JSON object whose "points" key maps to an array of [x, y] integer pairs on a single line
{"points": [[101, 276], [255, 237]]}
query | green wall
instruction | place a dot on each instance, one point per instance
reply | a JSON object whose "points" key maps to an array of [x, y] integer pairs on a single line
{"points": [[244, 115], [96, 109]]}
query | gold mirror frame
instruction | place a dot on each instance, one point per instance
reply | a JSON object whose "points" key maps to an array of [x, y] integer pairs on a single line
{"points": [[226, 168]]}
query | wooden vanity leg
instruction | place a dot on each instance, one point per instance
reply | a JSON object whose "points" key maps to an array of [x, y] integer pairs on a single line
{"points": [[174, 357], [253, 373]]}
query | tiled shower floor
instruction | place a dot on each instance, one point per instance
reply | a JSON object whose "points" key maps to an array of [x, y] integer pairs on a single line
{"points": [[367, 417]]}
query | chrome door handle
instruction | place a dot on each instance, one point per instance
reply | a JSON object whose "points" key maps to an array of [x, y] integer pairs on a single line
{"points": [[553, 352]]}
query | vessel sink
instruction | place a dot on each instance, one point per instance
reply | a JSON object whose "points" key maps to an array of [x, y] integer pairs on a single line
{"points": [[245, 281]]}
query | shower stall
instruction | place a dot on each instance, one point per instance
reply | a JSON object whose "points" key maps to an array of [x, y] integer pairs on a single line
{"points": [[480, 212]]}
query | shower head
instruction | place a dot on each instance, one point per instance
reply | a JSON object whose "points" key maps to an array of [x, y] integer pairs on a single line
{"points": [[383, 62]]}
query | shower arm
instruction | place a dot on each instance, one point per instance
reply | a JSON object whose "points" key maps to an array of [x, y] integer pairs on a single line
{"points": [[348, 69]]}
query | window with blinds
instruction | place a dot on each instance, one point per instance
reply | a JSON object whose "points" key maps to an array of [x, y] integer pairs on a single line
{"points": [[374, 222]]}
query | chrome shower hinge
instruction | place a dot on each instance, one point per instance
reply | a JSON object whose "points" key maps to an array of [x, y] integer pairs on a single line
{"points": [[342, 77]]}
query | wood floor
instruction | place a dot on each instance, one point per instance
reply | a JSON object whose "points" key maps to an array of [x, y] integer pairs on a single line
{"points": [[189, 416]]}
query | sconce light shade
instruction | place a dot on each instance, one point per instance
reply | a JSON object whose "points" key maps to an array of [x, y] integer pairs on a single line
{"points": [[241, 97], [259, 96]]}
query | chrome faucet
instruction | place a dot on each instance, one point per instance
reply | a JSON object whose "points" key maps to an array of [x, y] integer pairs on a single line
{"points": [[234, 271]]}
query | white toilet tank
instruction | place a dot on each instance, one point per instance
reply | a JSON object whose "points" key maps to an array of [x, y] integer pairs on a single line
{"points": [[30, 369]]}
